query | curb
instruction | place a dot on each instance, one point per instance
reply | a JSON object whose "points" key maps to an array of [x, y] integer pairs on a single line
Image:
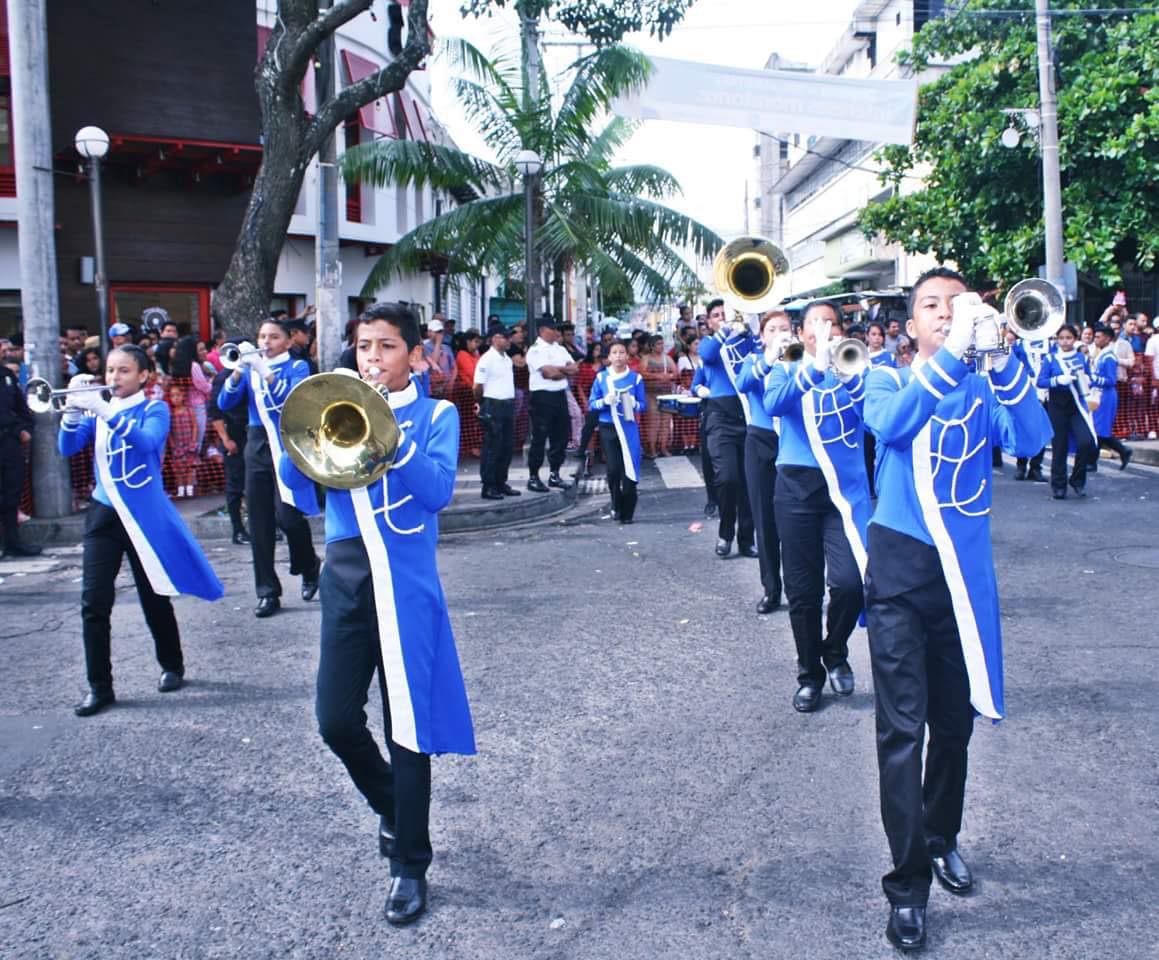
{"points": [[457, 518]]}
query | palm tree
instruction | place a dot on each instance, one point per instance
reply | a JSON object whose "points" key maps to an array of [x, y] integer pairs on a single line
{"points": [[608, 221]]}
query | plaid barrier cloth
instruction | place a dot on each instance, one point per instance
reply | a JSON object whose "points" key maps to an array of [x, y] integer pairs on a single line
{"points": [[1138, 415]]}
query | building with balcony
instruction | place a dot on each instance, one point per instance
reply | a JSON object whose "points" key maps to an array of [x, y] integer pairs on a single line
{"points": [[173, 88], [812, 189]]}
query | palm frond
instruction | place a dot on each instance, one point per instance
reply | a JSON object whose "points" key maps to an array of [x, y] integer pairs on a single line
{"points": [[406, 162], [642, 179], [598, 79]]}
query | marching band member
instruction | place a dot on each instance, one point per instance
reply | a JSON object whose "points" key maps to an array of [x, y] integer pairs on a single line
{"points": [[760, 454], [699, 389], [383, 610], [822, 505], [618, 394], [726, 419], [1104, 376], [875, 342], [932, 597], [130, 515], [265, 376], [1066, 375], [1031, 353]]}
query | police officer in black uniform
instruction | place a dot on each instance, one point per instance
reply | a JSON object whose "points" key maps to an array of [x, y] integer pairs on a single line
{"points": [[15, 429]]}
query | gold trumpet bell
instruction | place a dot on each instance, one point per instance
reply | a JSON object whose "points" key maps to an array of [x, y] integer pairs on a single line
{"points": [[749, 273], [339, 430]]}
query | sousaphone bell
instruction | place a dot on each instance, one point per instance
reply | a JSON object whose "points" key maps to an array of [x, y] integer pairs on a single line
{"points": [[749, 274], [339, 430]]}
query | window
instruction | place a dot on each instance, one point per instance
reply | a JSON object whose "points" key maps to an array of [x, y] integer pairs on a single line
{"points": [[353, 132]]}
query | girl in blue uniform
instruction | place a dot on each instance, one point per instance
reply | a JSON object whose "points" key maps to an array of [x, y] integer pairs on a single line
{"points": [[821, 505], [383, 611], [130, 515], [1066, 375], [264, 379], [1104, 376], [931, 592], [619, 398]]}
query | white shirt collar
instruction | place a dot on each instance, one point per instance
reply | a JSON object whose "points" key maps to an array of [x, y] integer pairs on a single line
{"points": [[127, 403], [280, 358], [400, 398]]}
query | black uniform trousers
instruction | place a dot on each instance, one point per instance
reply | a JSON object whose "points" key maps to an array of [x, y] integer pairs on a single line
{"points": [[399, 792], [1108, 443], [234, 465], [869, 444], [105, 545], [622, 490], [498, 419], [550, 427], [815, 550], [11, 481], [1066, 421], [919, 679], [705, 458], [267, 509], [1035, 462], [726, 445], [760, 464]]}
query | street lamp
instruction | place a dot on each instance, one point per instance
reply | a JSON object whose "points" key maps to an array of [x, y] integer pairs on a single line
{"points": [[92, 143], [529, 163]]}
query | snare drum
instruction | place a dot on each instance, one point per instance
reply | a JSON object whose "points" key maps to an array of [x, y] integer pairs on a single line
{"points": [[682, 404]]}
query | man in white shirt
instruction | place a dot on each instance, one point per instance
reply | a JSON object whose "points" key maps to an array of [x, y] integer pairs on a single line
{"points": [[440, 357], [549, 366], [495, 407]]}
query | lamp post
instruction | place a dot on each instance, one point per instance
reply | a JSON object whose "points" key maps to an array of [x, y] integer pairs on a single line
{"points": [[528, 163], [92, 143]]}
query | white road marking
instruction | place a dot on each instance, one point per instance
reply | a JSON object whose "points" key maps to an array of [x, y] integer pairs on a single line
{"points": [[678, 473]]}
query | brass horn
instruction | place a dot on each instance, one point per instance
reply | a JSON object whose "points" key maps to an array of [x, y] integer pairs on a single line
{"points": [[1035, 310], [850, 358], [41, 397], [232, 353], [749, 274], [339, 430]]}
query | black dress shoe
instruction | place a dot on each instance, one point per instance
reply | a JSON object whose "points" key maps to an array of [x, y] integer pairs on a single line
{"points": [[710, 511], [748, 550], [309, 588], [94, 702], [1020, 472], [18, 549], [535, 485], [952, 872], [490, 493], [723, 547], [1079, 491], [267, 607], [555, 480], [906, 929], [509, 491], [1035, 476], [407, 899], [841, 680], [385, 838], [768, 604], [1125, 458], [807, 698], [240, 537], [170, 680], [1059, 494]]}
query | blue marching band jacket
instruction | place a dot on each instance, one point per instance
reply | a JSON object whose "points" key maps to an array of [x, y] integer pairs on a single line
{"points": [[821, 427], [265, 411], [1056, 363], [127, 452], [721, 356], [935, 424], [397, 520], [1104, 376], [619, 399]]}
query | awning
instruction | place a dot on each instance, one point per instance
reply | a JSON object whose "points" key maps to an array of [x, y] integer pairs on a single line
{"points": [[376, 116]]}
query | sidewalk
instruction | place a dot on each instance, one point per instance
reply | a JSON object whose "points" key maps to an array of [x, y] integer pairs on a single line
{"points": [[1146, 451]]}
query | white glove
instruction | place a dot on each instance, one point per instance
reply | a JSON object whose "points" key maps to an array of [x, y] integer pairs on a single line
{"points": [[261, 365], [961, 335], [998, 361], [821, 331], [93, 402], [703, 392], [1065, 379]]}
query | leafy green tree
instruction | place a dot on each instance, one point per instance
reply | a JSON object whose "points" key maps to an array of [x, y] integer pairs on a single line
{"points": [[608, 220], [981, 204], [601, 21]]}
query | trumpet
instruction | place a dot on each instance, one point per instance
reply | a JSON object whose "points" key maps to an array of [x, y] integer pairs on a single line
{"points": [[788, 348], [42, 398], [850, 357], [232, 353], [339, 429], [749, 273]]}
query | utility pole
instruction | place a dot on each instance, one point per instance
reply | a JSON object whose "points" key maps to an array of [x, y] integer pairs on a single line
{"points": [[533, 73], [39, 303], [1051, 177], [327, 264]]}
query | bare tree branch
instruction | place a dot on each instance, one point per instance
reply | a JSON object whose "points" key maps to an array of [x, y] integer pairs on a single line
{"points": [[390, 78]]}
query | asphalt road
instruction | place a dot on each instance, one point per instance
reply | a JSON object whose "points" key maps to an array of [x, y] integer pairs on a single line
{"points": [[643, 788]]}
